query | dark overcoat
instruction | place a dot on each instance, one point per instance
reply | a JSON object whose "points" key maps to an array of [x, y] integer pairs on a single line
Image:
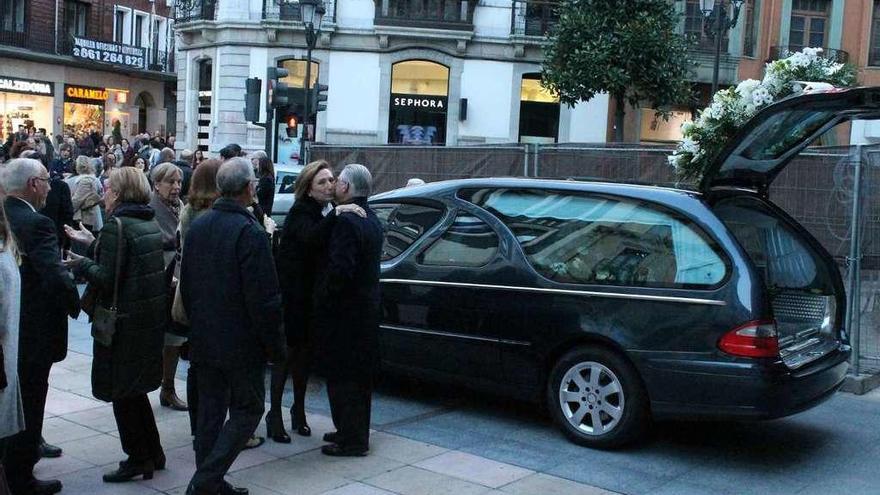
{"points": [[230, 290], [48, 294], [132, 365], [302, 250], [347, 298]]}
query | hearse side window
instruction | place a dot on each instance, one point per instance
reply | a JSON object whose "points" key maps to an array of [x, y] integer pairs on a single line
{"points": [[404, 224], [469, 242], [577, 238]]}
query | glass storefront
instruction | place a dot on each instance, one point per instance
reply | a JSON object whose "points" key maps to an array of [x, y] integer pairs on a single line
{"points": [[538, 112], [419, 103], [84, 109], [25, 102], [656, 129]]}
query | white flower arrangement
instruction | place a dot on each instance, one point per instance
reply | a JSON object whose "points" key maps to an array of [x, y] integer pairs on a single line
{"points": [[715, 125]]}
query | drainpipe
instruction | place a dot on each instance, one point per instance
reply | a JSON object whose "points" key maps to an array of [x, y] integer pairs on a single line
{"points": [[56, 25]]}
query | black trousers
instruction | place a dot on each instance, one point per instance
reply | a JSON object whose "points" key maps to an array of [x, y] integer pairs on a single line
{"points": [[22, 449], [242, 393], [137, 428], [350, 404], [192, 397]]}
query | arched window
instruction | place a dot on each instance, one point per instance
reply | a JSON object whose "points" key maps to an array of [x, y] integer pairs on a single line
{"points": [[538, 112], [143, 101], [419, 90]]}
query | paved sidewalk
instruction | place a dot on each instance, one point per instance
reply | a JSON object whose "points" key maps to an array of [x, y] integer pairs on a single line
{"points": [[86, 430]]}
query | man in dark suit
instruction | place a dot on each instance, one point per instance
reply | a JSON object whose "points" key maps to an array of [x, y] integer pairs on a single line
{"points": [[48, 296], [230, 292], [347, 315]]}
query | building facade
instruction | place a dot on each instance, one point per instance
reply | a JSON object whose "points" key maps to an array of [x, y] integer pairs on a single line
{"points": [[78, 65], [443, 72]]}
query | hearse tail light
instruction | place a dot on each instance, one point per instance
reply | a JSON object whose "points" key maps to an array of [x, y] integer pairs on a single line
{"points": [[756, 339]]}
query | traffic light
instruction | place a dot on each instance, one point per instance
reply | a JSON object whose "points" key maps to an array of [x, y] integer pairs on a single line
{"points": [[253, 92], [318, 96], [292, 122], [277, 90]]}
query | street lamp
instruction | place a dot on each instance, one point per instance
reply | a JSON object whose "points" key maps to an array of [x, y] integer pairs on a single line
{"points": [[721, 23], [312, 14]]}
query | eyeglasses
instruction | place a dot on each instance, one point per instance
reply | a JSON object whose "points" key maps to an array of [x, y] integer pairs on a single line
{"points": [[44, 179]]}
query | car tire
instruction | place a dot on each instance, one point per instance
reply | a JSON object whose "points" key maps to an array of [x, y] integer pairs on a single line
{"points": [[597, 398]]}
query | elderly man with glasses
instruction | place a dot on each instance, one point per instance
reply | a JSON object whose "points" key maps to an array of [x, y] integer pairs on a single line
{"points": [[48, 296]]}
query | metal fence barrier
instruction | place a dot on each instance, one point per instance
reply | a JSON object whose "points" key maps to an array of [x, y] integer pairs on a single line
{"points": [[834, 192]]}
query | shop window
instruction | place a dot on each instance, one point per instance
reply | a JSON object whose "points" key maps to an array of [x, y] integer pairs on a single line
{"points": [[874, 55], [538, 112], [809, 24], [419, 103], [12, 15], [76, 18]]}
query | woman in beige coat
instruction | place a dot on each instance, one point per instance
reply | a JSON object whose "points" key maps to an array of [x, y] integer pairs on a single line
{"points": [[86, 195]]}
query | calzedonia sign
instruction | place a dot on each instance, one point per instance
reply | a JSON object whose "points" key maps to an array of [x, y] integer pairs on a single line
{"points": [[26, 86], [85, 93], [419, 102]]}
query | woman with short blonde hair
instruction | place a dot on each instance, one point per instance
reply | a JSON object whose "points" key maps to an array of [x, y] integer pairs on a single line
{"points": [[86, 195], [128, 365]]}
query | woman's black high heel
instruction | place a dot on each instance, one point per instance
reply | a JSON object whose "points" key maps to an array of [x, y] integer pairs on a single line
{"points": [[298, 422], [275, 428], [129, 470]]}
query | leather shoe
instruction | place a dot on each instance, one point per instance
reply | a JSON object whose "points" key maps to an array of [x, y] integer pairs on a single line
{"points": [[331, 437], [45, 487], [228, 489], [336, 450], [47, 450], [129, 470]]}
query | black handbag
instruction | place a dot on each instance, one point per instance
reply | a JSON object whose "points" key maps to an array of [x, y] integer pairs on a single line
{"points": [[104, 320]]}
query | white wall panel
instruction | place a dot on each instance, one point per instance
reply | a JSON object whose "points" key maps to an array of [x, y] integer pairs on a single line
{"points": [[353, 94], [487, 87]]}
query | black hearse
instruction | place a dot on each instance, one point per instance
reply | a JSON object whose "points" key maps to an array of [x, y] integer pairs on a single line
{"points": [[616, 303]]}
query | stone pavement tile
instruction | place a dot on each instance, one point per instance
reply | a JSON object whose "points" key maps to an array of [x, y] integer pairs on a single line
{"points": [[175, 432], [682, 487], [177, 473], [52, 468], [70, 381], [59, 430], [402, 449], [475, 469], [88, 482], [252, 489], [98, 450], [352, 468], [609, 476], [290, 478], [534, 456], [99, 419], [76, 361], [410, 480], [358, 489], [542, 484], [61, 403], [251, 457]]}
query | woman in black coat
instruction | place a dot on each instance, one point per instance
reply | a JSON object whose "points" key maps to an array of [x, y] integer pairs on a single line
{"points": [[303, 244], [124, 371]]}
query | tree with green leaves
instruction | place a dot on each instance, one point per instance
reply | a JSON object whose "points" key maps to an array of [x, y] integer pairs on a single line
{"points": [[630, 49]]}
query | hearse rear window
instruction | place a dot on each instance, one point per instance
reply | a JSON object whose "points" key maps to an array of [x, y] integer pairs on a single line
{"points": [[404, 224], [577, 238]]}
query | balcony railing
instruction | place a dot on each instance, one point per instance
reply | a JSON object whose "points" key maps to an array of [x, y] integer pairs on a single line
{"points": [[160, 61], [780, 52], [437, 14], [14, 38], [534, 17], [275, 10], [194, 10]]}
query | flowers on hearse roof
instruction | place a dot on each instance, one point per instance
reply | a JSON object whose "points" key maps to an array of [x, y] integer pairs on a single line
{"points": [[806, 70]]}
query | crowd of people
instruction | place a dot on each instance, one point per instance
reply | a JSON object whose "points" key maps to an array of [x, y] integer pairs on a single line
{"points": [[177, 253]]}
